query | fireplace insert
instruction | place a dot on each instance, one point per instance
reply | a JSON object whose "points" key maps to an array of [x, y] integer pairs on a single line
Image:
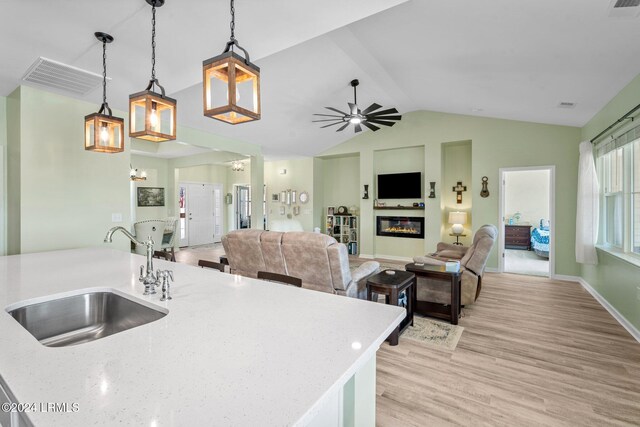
{"points": [[400, 226]]}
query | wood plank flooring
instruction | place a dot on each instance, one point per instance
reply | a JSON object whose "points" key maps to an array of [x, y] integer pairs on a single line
{"points": [[534, 352]]}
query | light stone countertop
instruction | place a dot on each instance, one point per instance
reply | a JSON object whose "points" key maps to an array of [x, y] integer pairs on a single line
{"points": [[232, 351]]}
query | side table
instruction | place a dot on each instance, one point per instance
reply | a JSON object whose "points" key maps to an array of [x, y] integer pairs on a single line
{"points": [[452, 313], [391, 286]]}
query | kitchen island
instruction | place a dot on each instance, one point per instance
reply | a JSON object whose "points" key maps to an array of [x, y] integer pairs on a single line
{"points": [[230, 351]]}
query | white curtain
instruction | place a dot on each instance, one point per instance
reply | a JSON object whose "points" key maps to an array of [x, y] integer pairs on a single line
{"points": [[588, 207]]}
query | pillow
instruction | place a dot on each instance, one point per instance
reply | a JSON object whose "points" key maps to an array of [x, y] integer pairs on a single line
{"points": [[544, 225]]}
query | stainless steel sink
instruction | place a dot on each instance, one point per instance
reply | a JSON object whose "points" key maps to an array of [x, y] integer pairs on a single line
{"points": [[82, 318]]}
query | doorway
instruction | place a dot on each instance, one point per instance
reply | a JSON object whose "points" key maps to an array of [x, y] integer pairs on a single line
{"points": [[243, 207], [527, 218], [201, 213]]}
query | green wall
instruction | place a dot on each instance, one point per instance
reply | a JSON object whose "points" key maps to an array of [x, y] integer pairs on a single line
{"points": [[61, 196], [3, 174], [299, 177], [616, 280], [456, 166], [67, 194], [495, 144], [157, 176], [341, 177]]}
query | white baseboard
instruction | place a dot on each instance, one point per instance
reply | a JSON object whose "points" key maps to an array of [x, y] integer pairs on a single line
{"points": [[635, 333], [491, 270], [367, 256], [393, 258]]}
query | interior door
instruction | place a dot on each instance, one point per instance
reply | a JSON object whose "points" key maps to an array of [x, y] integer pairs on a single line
{"points": [[182, 215], [200, 214]]}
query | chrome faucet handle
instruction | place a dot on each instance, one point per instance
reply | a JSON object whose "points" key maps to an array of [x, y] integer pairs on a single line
{"points": [[167, 275]]}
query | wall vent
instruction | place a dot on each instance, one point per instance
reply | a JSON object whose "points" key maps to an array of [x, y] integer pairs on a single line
{"points": [[47, 72], [566, 104], [626, 3]]}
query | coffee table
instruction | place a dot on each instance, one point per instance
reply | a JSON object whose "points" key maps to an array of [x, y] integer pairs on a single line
{"points": [[391, 286], [452, 313]]}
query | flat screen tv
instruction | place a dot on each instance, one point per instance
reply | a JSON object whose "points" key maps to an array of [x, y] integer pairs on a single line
{"points": [[400, 186]]}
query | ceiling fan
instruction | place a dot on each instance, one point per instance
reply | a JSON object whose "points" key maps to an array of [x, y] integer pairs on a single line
{"points": [[367, 117]]}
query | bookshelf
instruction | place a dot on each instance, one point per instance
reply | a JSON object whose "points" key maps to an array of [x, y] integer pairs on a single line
{"points": [[344, 228]]}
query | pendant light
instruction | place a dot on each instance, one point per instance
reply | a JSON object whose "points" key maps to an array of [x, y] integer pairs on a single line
{"points": [[231, 84], [152, 115], [103, 132]]}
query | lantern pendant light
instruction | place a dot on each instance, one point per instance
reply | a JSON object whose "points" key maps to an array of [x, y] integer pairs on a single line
{"points": [[231, 84], [103, 132], [152, 115]]}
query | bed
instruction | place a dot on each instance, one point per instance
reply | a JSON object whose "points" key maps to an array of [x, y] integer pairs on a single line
{"points": [[540, 239]]}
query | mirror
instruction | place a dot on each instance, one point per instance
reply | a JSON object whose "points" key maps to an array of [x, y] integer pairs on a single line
{"points": [[303, 197]]}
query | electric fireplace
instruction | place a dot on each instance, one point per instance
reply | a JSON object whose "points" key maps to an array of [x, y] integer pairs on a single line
{"points": [[400, 226]]}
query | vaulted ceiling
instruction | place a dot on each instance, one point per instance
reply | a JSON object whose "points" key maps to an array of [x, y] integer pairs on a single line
{"points": [[494, 58]]}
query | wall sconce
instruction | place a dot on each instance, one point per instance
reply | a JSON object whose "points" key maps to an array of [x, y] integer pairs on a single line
{"points": [[103, 132], [227, 76], [152, 115], [432, 190], [365, 194], [458, 189], [133, 174], [228, 199]]}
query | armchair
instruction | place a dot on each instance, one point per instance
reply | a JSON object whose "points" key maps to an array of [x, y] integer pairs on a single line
{"points": [[473, 260]]}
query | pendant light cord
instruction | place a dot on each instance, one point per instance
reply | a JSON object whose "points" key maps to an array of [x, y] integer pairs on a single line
{"points": [[154, 82], [153, 43], [232, 25], [105, 106], [104, 72]]}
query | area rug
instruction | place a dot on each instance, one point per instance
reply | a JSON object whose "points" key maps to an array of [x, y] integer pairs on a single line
{"points": [[433, 333]]}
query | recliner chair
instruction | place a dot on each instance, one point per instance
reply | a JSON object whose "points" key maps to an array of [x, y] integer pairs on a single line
{"points": [[473, 260]]}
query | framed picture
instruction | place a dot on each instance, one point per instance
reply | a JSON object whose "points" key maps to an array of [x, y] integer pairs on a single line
{"points": [[275, 197], [331, 210], [150, 196]]}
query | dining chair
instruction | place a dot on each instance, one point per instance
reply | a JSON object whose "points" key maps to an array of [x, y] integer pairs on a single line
{"points": [[281, 278]]}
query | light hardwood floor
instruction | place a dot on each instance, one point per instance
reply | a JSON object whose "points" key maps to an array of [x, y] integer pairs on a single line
{"points": [[534, 352]]}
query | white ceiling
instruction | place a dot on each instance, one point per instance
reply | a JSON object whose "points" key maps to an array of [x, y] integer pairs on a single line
{"points": [[514, 60]]}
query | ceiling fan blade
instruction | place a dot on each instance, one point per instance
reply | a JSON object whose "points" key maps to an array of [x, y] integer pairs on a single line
{"points": [[384, 117], [388, 111], [371, 108], [381, 122], [326, 120], [342, 128], [327, 115], [353, 108], [370, 126], [330, 124], [337, 111], [358, 128]]}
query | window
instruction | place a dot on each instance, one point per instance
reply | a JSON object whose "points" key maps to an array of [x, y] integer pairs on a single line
{"points": [[612, 168], [635, 195], [619, 173]]}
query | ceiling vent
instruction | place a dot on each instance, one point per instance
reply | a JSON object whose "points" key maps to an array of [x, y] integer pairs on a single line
{"points": [[626, 3], [565, 104], [47, 72], [624, 8]]}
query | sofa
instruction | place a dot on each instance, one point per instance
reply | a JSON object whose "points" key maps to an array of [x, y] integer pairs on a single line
{"points": [[319, 260], [473, 260]]}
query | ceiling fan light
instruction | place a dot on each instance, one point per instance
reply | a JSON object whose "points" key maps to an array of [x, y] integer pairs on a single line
{"points": [[355, 120]]}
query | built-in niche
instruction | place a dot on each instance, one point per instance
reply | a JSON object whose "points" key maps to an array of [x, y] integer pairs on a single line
{"points": [[456, 168]]}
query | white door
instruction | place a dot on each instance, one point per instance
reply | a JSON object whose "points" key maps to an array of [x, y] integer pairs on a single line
{"points": [[217, 213], [182, 217], [200, 214]]}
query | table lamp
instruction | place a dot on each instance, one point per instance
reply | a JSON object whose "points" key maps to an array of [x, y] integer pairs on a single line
{"points": [[457, 219]]}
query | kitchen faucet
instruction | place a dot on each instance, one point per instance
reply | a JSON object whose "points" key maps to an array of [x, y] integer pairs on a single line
{"points": [[149, 279]]}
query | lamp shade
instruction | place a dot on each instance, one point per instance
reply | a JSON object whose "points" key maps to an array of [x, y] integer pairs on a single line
{"points": [[457, 217]]}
